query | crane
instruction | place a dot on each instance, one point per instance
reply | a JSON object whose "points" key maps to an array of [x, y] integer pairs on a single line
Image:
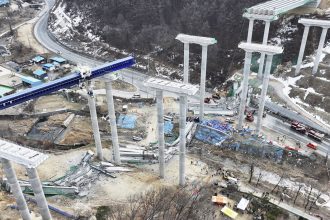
{"points": [[79, 77]]}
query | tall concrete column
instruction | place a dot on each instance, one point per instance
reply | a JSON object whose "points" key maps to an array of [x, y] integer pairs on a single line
{"points": [[95, 126], [113, 123], [16, 189], [250, 32], [38, 193], [203, 80], [302, 49], [245, 87], [182, 150], [186, 63], [262, 99], [262, 57], [161, 138], [319, 50]]}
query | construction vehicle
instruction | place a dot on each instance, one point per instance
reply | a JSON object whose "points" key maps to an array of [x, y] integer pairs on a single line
{"points": [[207, 100], [315, 135], [299, 127], [249, 117]]}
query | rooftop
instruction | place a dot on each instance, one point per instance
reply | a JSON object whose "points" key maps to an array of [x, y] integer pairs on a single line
{"points": [[184, 38], [176, 87], [21, 155], [4, 2], [254, 47], [30, 79], [38, 59], [58, 59], [39, 72]]}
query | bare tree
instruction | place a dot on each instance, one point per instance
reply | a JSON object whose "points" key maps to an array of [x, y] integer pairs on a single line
{"points": [[251, 172], [297, 194], [277, 183], [259, 178]]}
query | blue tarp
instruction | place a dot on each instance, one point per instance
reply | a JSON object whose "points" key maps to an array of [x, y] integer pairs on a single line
{"points": [[223, 127], [168, 127], [127, 121], [208, 135]]}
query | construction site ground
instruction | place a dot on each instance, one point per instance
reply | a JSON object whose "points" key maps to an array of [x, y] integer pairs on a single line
{"points": [[105, 190]]}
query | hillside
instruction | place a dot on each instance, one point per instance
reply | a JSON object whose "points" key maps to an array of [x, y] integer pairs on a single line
{"points": [[111, 29]]}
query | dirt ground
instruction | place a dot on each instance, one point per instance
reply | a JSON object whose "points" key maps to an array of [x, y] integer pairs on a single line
{"points": [[26, 37], [54, 102]]}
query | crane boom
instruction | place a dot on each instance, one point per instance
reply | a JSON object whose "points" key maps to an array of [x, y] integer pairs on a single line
{"points": [[64, 82]]}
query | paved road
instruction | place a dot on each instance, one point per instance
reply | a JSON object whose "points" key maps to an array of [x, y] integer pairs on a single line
{"points": [[284, 128], [278, 88]]}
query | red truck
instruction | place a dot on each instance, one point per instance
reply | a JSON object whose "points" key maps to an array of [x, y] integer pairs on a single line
{"points": [[299, 127]]}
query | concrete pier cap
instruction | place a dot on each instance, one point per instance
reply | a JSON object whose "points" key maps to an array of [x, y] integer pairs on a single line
{"points": [[260, 48], [315, 22], [204, 41]]}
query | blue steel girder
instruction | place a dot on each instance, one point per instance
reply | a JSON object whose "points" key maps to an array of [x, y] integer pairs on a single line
{"points": [[63, 83]]}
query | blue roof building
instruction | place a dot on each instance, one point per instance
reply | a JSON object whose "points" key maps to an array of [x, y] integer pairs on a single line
{"points": [[37, 59], [4, 2], [48, 66], [59, 60], [27, 80], [40, 74]]}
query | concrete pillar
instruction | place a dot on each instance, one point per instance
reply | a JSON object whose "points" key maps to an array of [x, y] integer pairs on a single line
{"points": [[161, 138], [250, 32], [186, 63], [262, 99], [38, 193], [16, 189], [113, 123], [203, 80], [95, 126], [262, 57], [302, 49], [182, 150], [319, 50], [245, 87]]}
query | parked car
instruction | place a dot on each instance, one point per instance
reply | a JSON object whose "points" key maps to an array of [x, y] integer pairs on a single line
{"points": [[312, 145]]}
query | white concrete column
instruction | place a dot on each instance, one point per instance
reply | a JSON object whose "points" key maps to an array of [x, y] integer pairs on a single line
{"points": [[186, 63], [250, 32], [95, 126], [262, 99], [16, 189], [161, 138], [203, 80], [302, 49], [264, 42], [319, 50], [182, 150], [113, 123], [38, 193], [245, 87]]}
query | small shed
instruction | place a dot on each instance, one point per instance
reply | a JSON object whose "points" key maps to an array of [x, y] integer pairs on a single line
{"points": [[38, 59], [220, 200], [229, 212], [39, 74], [59, 60], [242, 205], [30, 81], [48, 66]]}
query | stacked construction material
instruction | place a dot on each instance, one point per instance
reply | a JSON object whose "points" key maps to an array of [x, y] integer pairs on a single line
{"points": [[218, 125]]}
